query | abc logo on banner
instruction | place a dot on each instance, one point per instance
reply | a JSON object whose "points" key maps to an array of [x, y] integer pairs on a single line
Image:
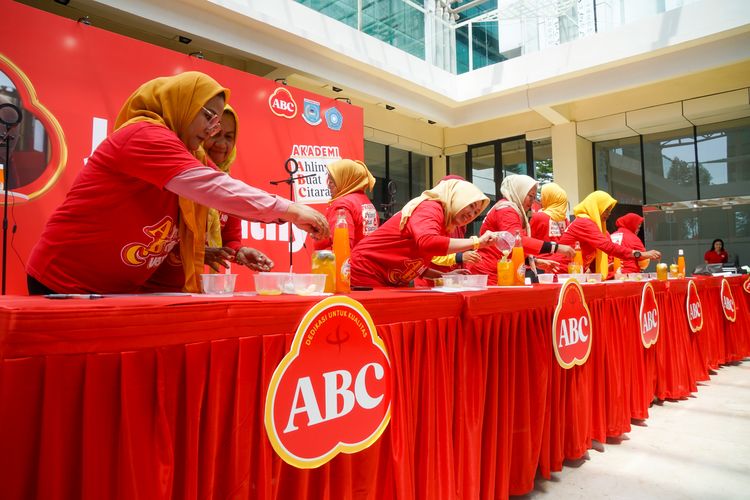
{"points": [[694, 308], [727, 301], [332, 391], [282, 103], [649, 317], [571, 326]]}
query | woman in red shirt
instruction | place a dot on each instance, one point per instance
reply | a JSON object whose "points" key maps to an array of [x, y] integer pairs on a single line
{"points": [[717, 254], [144, 191], [589, 229], [550, 222], [511, 214], [401, 249], [627, 235], [347, 182]]}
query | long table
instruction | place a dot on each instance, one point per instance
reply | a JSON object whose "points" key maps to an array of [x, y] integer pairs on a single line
{"points": [[163, 397]]}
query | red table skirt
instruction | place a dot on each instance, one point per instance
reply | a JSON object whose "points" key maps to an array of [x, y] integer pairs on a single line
{"points": [[164, 397]]}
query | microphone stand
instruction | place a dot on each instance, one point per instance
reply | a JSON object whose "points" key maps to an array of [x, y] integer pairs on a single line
{"points": [[387, 207], [6, 140], [291, 166]]}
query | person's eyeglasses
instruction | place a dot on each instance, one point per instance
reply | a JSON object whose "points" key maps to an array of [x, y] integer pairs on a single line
{"points": [[214, 122]]}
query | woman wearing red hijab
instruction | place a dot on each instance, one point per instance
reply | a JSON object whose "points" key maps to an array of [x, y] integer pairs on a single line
{"points": [[627, 235]]}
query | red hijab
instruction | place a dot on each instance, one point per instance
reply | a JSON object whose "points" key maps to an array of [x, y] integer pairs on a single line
{"points": [[629, 221]]}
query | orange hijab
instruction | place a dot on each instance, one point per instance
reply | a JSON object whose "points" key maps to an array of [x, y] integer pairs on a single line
{"points": [[350, 176], [173, 102]]}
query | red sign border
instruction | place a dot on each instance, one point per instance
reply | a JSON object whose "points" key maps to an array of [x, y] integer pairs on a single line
{"points": [[648, 288], [691, 284], [299, 336], [576, 362], [725, 283]]}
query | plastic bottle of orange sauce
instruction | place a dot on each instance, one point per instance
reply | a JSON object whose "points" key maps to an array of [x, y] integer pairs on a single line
{"points": [[342, 251], [517, 261], [680, 264], [616, 265], [577, 261]]}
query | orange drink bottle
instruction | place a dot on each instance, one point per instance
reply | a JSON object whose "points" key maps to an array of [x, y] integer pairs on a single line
{"points": [[576, 265], [324, 262], [517, 261], [342, 251], [680, 264], [616, 265]]}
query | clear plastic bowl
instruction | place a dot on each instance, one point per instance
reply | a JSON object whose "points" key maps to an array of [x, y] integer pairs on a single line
{"points": [[273, 283], [580, 277], [474, 281], [309, 284], [546, 278], [218, 284], [592, 278], [452, 281]]}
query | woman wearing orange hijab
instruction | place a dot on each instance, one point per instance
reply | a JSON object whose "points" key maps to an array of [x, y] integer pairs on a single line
{"points": [[348, 180], [145, 190]]}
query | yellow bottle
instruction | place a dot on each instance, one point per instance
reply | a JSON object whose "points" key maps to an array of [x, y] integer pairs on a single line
{"points": [[324, 262], [517, 261], [662, 271], [342, 251], [680, 264]]}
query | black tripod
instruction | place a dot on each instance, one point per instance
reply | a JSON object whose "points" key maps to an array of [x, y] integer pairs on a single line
{"points": [[10, 116], [291, 166]]}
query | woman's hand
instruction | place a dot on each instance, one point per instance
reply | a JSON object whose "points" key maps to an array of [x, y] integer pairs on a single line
{"points": [[549, 266], [487, 239], [566, 250], [254, 259], [470, 257], [216, 257], [651, 254], [309, 220]]}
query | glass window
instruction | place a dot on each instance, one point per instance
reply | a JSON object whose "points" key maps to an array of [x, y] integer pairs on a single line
{"points": [[457, 165], [483, 176], [396, 23], [542, 152], [375, 161], [514, 157], [724, 158], [669, 165], [398, 172], [618, 169], [421, 178]]}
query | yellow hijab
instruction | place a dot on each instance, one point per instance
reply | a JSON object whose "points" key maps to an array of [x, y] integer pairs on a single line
{"points": [[214, 224], [453, 194], [592, 207], [554, 202], [173, 102], [350, 176]]}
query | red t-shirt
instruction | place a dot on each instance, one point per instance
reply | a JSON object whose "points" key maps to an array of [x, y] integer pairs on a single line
{"points": [[625, 237], [591, 239], [361, 218], [117, 223], [501, 219], [392, 257], [712, 257], [544, 228]]}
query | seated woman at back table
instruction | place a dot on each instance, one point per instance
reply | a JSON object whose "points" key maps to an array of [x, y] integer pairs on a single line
{"points": [[145, 190], [627, 235], [348, 180], [589, 229], [716, 254], [401, 249], [511, 213]]}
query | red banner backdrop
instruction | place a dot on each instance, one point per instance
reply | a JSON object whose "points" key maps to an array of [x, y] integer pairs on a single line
{"points": [[70, 79]]}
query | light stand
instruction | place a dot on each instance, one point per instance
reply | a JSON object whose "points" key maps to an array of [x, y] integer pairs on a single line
{"points": [[10, 116], [291, 166]]}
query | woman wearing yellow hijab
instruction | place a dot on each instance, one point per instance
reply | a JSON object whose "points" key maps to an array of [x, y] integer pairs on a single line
{"points": [[144, 191], [402, 248], [348, 180], [589, 229], [550, 222], [225, 231]]}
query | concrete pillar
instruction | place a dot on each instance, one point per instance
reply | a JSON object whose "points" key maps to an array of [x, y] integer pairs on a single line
{"points": [[572, 162]]}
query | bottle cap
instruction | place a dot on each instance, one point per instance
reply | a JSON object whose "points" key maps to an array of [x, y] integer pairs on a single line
{"points": [[679, 252]]}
